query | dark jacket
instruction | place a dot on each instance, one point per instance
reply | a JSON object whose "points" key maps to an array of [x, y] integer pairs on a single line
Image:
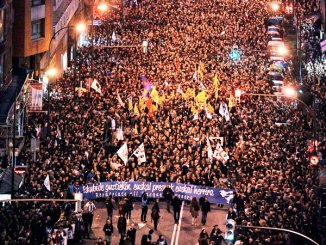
{"points": [[206, 207], [108, 229], [176, 203], [168, 193], [122, 224]]}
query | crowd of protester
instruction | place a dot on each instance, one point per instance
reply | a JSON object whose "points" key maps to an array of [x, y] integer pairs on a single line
{"points": [[268, 166]]}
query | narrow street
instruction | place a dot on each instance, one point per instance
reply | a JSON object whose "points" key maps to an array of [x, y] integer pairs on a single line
{"points": [[188, 233]]}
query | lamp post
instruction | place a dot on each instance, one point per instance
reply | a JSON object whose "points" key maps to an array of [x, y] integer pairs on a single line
{"points": [[283, 51], [277, 229], [51, 72], [289, 93]]}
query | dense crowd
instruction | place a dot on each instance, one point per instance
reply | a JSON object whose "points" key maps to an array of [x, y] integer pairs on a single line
{"points": [[189, 44]]}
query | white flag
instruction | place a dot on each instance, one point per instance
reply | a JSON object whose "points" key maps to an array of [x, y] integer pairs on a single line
{"points": [[227, 115], [209, 150], [120, 133], [196, 116], [123, 153], [202, 86], [58, 134], [220, 154], [222, 109], [140, 153], [96, 86], [47, 183], [114, 38], [120, 101], [179, 90], [208, 114]]}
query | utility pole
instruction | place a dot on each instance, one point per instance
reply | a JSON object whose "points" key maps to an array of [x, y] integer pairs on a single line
{"points": [[14, 146]]}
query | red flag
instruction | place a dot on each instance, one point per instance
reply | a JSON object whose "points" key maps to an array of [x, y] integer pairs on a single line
{"points": [[150, 107]]}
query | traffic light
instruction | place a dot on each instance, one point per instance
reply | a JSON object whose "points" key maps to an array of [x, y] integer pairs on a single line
{"points": [[235, 54], [229, 234]]}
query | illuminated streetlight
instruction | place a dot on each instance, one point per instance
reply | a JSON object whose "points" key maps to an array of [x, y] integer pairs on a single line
{"points": [[290, 92], [51, 72], [282, 51], [275, 6], [80, 27], [102, 7]]}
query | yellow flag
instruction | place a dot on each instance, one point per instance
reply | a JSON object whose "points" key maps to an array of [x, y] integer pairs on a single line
{"points": [[232, 102], [193, 110], [216, 93], [216, 82], [210, 108], [136, 111], [141, 103], [130, 107], [162, 99], [135, 130], [192, 93], [155, 96], [201, 97]]}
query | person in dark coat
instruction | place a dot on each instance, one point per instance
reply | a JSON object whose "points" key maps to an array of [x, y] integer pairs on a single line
{"points": [[109, 207], [168, 195], [176, 203], [155, 214], [203, 237], [108, 230], [131, 234], [205, 208], [129, 206], [122, 225]]}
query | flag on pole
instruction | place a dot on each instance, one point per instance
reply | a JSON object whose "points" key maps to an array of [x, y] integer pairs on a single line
{"points": [[150, 107], [216, 82], [209, 150], [58, 134], [140, 153], [154, 95], [232, 102], [136, 111], [120, 101], [201, 97], [179, 90], [123, 153], [120, 133], [208, 114], [202, 87], [96, 86], [130, 106], [114, 37], [47, 182], [222, 109], [220, 154]]}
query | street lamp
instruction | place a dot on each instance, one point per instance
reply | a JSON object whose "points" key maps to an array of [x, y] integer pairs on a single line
{"points": [[275, 6], [290, 93], [51, 73], [103, 7]]}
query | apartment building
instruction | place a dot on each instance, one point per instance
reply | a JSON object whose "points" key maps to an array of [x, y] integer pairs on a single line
{"points": [[36, 22], [6, 20]]}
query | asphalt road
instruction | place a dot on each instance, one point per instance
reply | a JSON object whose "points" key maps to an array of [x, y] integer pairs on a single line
{"points": [[187, 235]]}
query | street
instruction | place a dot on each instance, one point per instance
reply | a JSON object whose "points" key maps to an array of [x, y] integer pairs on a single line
{"points": [[188, 234]]}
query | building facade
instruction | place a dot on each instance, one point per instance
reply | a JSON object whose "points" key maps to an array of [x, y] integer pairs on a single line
{"points": [[35, 45], [6, 24]]}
